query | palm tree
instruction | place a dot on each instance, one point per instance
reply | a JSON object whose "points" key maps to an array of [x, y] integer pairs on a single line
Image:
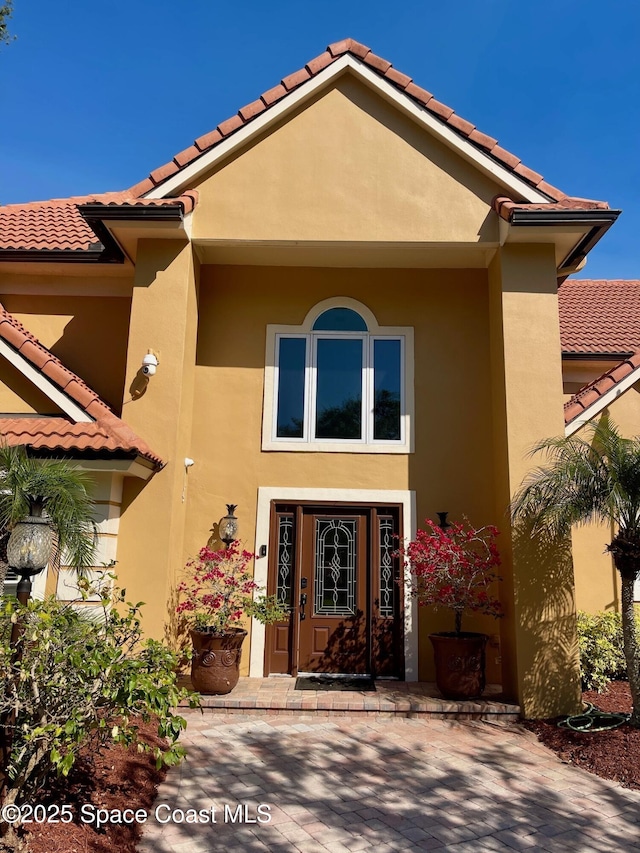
{"points": [[592, 479], [62, 490]]}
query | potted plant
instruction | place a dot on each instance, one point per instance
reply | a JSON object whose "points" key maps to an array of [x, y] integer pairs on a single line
{"points": [[218, 595], [453, 566]]}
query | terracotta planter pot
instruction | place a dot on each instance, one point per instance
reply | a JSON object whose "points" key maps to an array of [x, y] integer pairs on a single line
{"points": [[460, 664], [215, 664]]}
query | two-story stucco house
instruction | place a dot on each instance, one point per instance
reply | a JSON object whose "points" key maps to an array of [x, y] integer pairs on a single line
{"points": [[352, 293]]}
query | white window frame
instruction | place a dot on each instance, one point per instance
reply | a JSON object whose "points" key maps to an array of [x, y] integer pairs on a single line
{"points": [[365, 444]]}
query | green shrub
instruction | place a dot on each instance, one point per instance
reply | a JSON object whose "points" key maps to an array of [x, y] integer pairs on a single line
{"points": [[78, 682], [601, 649]]}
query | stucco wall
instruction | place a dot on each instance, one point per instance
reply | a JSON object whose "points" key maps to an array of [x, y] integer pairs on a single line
{"points": [[20, 396], [163, 318], [452, 466], [87, 333], [347, 166], [540, 653], [597, 581]]}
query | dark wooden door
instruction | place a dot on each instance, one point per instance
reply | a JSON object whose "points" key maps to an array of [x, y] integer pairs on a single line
{"points": [[336, 567], [334, 612]]}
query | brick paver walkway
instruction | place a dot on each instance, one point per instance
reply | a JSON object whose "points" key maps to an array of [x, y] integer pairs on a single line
{"points": [[344, 784]]}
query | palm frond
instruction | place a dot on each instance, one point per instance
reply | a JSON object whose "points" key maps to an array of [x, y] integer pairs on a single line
{"points": [[66, 492], [583, 479]]}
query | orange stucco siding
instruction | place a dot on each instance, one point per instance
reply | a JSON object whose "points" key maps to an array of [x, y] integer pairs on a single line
{"points": [[87, 333]]}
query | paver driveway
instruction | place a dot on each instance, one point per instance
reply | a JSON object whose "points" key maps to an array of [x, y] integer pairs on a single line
{"points": [[338, 784]]}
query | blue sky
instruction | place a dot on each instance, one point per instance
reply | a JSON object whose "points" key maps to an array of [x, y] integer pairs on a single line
{"points": [[96, 94]]}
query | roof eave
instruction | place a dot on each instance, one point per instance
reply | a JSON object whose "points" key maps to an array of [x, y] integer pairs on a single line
{"points": [[132, 213], [103, 255], [126, 463], [596, 356], [556, 218], [596, 223]]}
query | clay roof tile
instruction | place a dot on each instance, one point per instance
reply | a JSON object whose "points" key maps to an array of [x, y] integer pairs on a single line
{"points": [[599, 317], [57, 224], [61, 434], [594, 391], [319, 63], [397, 77], [107, 427]]}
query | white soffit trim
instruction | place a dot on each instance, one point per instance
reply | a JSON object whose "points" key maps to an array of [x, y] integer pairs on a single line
{"points": [[137, 467], [306, 91], [602, 402], [44, 384]]}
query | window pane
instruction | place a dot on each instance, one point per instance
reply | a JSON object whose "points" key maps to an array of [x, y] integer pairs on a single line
{"points": [[291, 368], [387, 390], [339, 389], [340, 320]]}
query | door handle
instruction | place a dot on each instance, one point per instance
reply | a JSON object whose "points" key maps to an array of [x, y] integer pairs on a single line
{"points": [[303, 601]]}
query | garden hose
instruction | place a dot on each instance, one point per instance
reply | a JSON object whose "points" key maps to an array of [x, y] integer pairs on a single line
{"points": [[593, 720]]}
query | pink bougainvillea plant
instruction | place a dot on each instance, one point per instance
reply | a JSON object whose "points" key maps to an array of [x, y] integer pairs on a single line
{"points": [[455, 568], [218, 592]]}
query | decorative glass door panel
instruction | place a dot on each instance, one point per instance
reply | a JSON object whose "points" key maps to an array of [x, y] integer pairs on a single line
{"points": [[282, 584], [386, 633], [333, 599], [335, 567]]}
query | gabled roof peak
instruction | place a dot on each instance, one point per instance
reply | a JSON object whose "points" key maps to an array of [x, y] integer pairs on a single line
{"points": [[385, 70]]}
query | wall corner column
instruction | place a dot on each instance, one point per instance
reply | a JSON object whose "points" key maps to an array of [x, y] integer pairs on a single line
{"points": [[164, 318], [539, 642]]}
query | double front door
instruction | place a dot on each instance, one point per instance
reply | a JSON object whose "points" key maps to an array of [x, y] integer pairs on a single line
{"points": [[335, 567]]}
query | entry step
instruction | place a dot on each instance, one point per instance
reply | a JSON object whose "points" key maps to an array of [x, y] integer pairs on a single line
{"points": [[390, 698]]}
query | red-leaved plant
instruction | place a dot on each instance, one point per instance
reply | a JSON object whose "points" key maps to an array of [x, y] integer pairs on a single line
{"points": [[217, 592], [455, 568]]}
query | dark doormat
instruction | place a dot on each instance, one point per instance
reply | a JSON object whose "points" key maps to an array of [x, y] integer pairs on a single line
{"points": [[329, 682]]}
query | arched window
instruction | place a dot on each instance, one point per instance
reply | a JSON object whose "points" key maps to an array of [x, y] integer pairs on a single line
{"points": [[338, 381]]}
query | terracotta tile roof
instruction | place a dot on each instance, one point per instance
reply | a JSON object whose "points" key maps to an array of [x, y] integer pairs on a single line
{"points": [[58, 225], [61, 434], [379, 66], [599, 317], [595, 390], [505, 206], [107, 432], [15, 334]]}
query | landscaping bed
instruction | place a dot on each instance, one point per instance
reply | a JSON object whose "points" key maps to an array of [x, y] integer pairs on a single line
{"points": [[114, 778], [612, 755]]}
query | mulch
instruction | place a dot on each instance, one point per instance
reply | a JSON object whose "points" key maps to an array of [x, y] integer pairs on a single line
{"points": [[115, 778], [612, 755], [118, 778]]}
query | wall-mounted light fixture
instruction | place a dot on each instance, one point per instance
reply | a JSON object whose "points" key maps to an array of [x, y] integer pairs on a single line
{"points": [[228, 526]]}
